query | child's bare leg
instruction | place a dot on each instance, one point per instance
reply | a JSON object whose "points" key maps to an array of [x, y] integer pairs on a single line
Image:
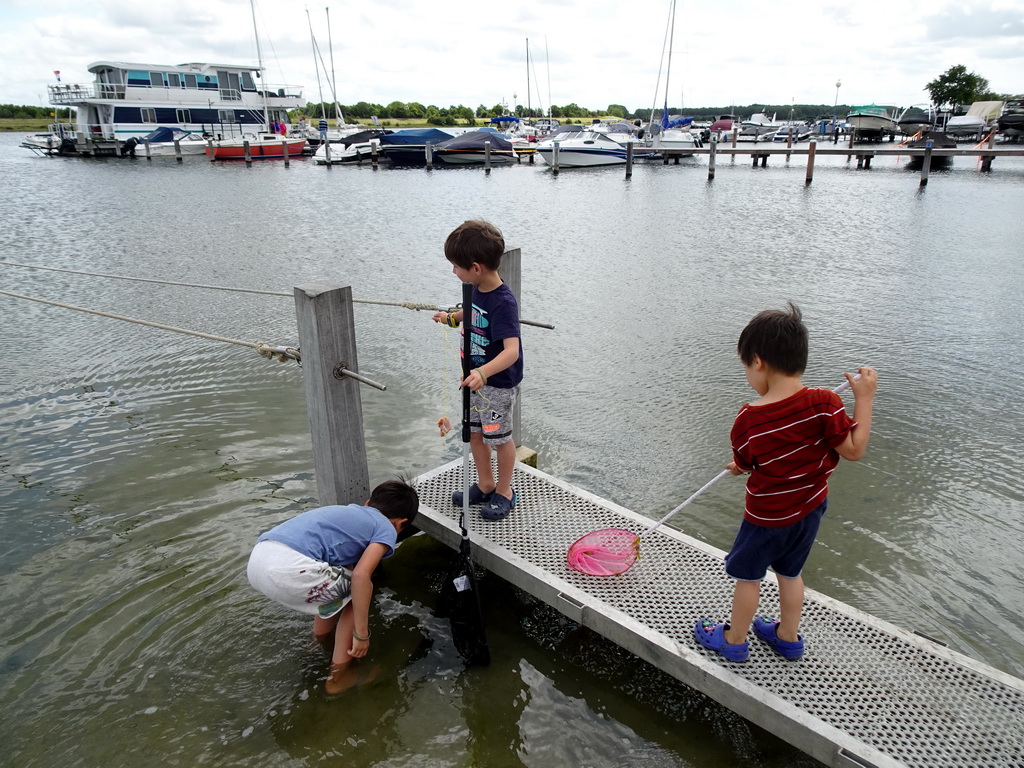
{"points": [[506, 463], [341, 676], [482, 459], [791, 603], [745, 598], [323, 630]]}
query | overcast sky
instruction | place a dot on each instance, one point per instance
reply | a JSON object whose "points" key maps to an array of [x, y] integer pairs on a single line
{"points": [[592, 52]]}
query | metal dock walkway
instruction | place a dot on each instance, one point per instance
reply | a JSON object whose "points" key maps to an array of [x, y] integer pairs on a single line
{"points": [[865, 694]]}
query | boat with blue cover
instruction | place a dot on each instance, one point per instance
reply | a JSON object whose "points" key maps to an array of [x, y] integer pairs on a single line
{"points": [[475, 147], [408, 146]]}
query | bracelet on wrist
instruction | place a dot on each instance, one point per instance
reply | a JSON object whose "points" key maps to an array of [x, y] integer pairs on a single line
{"points": [[358, 639], [453, 321], [483, 377]]}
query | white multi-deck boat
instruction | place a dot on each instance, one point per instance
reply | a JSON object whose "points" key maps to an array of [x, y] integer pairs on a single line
{"points": [[220, 101]]}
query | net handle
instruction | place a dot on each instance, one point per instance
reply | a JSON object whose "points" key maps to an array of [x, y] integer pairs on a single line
{"points": [[467, 348], [841, 388]]}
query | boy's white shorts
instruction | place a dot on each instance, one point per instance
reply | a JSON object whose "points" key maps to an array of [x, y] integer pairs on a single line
{"points": [[297, 581]]}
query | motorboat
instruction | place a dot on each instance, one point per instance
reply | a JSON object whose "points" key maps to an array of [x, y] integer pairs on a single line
{"points": [[261, 145], [937, 141], [979, 117], [722, 127], [353, 148], [916, 120], [131, 100], [1011, 122], [759, 127], [476, 148], [162, 142], [872, 121], [578, 149], [798, 131], [408, 146]]}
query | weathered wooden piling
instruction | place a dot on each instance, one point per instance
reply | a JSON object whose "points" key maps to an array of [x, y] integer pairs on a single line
{"points": [[926, 163], [209, 149], [487, 156], [554, 158], [712, 151], [812, 147], [327, 338], [629, 160], [248, 152], [373, 153], [284, 148], [149, 152], [177, 150], [428, 152]]}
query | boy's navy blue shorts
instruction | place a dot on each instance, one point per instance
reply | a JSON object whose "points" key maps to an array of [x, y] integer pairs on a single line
{"points": [[784, 549]]}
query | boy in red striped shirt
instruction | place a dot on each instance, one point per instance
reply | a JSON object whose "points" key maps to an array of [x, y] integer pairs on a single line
{"points": [[789, 441]]}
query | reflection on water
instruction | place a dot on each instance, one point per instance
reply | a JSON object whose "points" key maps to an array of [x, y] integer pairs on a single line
{"points": [[138, 466]]}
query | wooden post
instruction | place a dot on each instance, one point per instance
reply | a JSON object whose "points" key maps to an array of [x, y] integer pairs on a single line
{"points": [[754, 158], [284, 151], [554, 159], [629, 159], [327, 338], [428, 152], [711, 157], [487, 156], [373, 153], [512, 274], [812, 147], [735, 133], [926, 163], [853, 135], [177, 149], [986, 160], [209, 150], [789, 142], [248, 152], [149, 156]]}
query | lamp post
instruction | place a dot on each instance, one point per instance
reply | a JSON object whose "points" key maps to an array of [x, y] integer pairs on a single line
{"points": [[835, 105]]}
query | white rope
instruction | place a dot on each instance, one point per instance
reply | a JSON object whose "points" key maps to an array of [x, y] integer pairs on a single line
{"points": [[417, 305], [406, 304], [266, 350]]}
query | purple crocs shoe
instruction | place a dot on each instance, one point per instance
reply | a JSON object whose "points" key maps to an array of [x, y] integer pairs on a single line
{"points": [[767, 629]]}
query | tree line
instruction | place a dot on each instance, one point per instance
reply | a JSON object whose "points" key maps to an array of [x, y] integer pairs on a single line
{"points": [[956, 87]]}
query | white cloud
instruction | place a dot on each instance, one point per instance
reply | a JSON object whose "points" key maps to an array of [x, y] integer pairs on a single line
{"points": [[595, 53]]}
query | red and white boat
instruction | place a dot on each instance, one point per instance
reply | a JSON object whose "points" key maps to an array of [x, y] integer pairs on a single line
{"points": [[261, 146]]}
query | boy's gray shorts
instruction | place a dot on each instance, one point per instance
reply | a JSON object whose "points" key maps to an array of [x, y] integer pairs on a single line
{"points": [[490, 413]]}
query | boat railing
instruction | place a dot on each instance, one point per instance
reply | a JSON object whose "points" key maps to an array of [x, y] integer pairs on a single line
{"points": [[288, 92]]}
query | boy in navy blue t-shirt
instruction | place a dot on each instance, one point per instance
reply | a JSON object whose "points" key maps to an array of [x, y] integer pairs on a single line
{"points": [[475, 248]]}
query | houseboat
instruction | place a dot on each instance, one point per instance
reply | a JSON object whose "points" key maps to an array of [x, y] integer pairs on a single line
{"points": [[125, 101]]}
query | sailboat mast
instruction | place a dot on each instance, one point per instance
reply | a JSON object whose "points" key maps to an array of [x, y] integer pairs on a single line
{"points": [[259, 60], [668, 67], [528, 110], [547, 59], [338, 119], [316, 63]]}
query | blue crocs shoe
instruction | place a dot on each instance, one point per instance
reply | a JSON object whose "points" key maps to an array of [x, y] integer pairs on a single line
{"points": [[498, 507], [476, 496], [767, 629], [712, 636]]}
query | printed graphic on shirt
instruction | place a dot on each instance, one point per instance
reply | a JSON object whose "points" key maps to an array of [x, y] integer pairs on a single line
{"points": [[479, 342]]}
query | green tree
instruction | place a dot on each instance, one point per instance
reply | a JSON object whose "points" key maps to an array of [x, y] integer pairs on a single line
{"points": [[618, 110], [481, 111], [415, 109], [397, 109], [957, 86]]}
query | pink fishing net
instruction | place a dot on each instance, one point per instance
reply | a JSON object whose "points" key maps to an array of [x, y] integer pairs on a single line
{"points": [[607, 552]]}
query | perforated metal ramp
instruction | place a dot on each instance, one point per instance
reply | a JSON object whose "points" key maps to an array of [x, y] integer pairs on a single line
{"points": [[866, 693]]}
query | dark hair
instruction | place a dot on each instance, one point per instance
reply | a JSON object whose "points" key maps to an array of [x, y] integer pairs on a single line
{"points": [[475, 241], [396, 499], [778, 337]]}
